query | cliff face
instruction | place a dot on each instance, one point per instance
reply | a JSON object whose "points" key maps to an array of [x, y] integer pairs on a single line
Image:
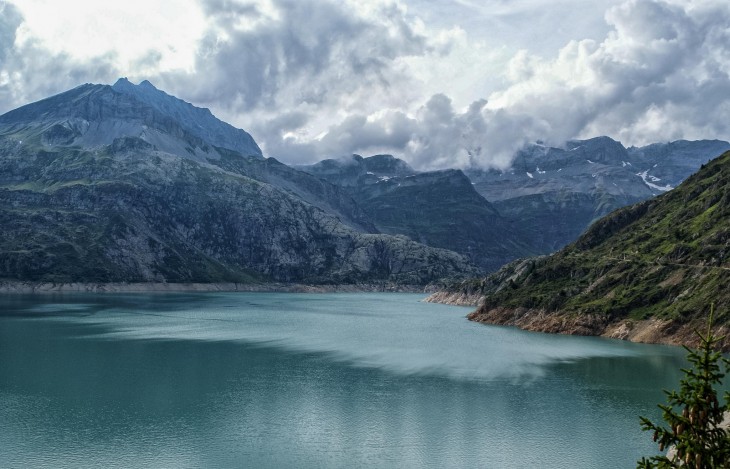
{"points": [[100, 184], [646, 272]]}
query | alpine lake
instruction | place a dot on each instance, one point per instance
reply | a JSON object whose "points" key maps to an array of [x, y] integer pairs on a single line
{"points": [[233, 380]]}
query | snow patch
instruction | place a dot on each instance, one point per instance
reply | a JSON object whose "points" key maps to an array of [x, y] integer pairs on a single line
{"points": [[370, 173], [650, 180], [625, 164], [530, 175], [591, 162], [540, 172]]}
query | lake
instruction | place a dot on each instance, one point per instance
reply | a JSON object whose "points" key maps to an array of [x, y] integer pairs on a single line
{"points": [[312, 380]]}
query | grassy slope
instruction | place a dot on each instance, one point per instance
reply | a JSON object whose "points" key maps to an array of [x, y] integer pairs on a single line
{"points": [[666, 258]]}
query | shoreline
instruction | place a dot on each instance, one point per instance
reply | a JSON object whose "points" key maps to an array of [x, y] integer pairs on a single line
{"points": [[454, 298], [645, 331], [10, 286]]}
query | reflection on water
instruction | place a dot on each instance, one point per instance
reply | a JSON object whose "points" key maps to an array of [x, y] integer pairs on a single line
{"points": [[294, 380]]}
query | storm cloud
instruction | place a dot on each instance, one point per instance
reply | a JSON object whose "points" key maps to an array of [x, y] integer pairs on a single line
{"points": [[299, 53]]}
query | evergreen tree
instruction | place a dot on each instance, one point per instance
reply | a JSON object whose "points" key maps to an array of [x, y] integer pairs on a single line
{"points": [[693, 414]]}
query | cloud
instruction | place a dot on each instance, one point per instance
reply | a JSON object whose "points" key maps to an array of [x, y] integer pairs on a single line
{"points": [[287, 53], [29, 71], [661, 73], [302, 75], [436, 136]]}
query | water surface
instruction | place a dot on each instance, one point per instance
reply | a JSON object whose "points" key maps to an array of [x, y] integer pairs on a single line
{"points": [[312, 380]]}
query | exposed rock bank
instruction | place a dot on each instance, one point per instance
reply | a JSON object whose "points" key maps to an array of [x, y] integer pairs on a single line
{"points": [[454, 298], [48, 287], [655, 331]]}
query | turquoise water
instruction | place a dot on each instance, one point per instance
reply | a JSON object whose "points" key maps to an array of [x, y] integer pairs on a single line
{"points": [[312, 380]]}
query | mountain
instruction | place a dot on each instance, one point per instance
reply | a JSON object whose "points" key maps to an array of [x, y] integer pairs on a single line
{"points": [[125, 183], [673, 162], [93, 115], [556, 193], [548, 198], [648, 272], [437, 208], [194, 120], [356, 170]]}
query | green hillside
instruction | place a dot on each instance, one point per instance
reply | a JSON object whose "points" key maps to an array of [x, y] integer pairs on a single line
{"points": [[667, 258]]}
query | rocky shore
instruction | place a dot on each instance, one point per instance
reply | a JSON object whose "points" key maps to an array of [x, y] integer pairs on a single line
{"points": [[653, 331], [120, 287], [455, 298]]}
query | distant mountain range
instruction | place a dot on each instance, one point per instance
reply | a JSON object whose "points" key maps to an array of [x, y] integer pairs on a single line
{"points": [[545, 201], [126, 183], [556, 193]]}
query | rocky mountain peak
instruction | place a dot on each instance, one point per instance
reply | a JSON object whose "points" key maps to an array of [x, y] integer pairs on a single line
{"points": [[199, 122], [127, 183], [91, 116], [388, 165], [599, 149], [354, 169]]}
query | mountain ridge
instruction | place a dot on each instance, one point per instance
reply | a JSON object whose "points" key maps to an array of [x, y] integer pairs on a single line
{"points": [[93, 115], [64, 159], [559, 192]]}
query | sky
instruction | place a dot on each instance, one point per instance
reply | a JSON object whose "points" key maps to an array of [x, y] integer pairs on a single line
{"points": [[453, 83]]}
